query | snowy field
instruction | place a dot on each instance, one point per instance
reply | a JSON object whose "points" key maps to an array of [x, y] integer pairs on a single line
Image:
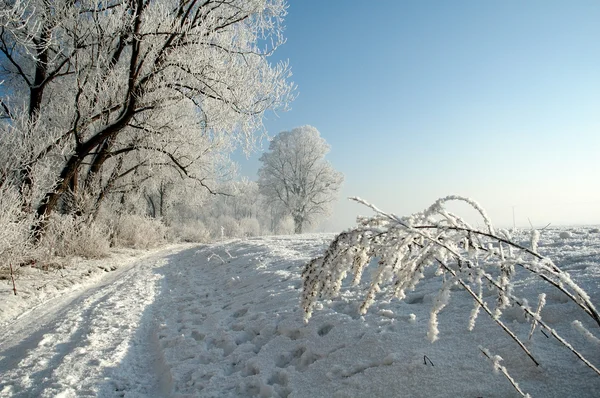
{"points": [[223, 320]]}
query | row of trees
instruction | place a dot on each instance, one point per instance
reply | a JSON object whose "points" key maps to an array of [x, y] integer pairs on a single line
{"points": [[106, 102], [130, 107], [296, 186], [241, 211]]}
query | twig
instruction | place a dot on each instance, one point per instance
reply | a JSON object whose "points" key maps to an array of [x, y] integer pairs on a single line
{"points": [[504, 372], [547, 225], [544, 333], [548, 328], [404, 247], [425, 359], [542, 301], [217, 256], [586, 305], [485, 307], [12, 276]]}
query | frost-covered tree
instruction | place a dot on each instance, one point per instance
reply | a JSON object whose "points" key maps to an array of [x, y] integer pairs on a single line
{"points": [[95, 90], [296, 176]]}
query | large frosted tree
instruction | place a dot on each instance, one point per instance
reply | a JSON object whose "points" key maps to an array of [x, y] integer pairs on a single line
{"points": [[296, 177], [98, 93]]}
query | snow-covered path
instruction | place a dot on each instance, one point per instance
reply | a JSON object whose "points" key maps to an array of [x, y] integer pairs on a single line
{"points": [[71, 346], [223, 320], [111, 339]]}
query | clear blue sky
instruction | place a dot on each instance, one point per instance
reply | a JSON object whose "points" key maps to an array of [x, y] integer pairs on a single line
{"points": [[495, 100]]}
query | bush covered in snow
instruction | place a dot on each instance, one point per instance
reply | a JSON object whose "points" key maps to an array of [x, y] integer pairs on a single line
{"points": [[67, 236], [249, 227], [139, 232], [15, 230], [481, 262], [194, 231], [225, 227], [285, 226]]}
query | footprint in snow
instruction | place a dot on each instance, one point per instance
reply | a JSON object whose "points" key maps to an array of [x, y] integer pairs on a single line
{"points": [[280, 377], [239, 313], [197, 335], [325, 329]]}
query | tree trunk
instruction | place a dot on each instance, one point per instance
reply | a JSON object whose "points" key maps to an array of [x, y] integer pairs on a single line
{"points": [[51, 198], [150, 202], [72, 165], [298, 222], [161, 199], [36, 91], [106, 188], [98, 161]]}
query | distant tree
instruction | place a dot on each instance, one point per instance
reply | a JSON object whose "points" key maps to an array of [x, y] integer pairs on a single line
{"points": [[296, 176]]}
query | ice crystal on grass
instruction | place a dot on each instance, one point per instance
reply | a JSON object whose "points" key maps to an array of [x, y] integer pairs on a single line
{"points": [[536, 317], [586, 333], [472, 259], [535, 240], [440, 302], [499, 368]]}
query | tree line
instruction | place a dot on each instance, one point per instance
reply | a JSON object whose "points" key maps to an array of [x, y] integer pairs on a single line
{"points": [[116, 107]]}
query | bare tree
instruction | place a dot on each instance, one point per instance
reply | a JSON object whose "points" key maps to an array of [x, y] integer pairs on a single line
{"points": [[296, 176]]}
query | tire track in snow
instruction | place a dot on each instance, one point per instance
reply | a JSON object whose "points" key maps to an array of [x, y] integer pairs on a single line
{"points": [[89, 339]]}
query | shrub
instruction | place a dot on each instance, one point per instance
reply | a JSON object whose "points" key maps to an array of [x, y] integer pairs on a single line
{"points": [[285, 226], [15, 228], [67, 236], [249, 227], [224, 227], [194, 231], [138, 232], [462, 256]]}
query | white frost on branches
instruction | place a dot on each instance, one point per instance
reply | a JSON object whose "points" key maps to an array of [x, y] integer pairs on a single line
{"points": [[105, 95], [535, 240], [440, 302], [537, 315], [499, 368], [296, 177], [586, 333], [473, 259]]}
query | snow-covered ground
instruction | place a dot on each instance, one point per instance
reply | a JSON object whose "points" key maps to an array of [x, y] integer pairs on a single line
{"points": [[223, 320]]}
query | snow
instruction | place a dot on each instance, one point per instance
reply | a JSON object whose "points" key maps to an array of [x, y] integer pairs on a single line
{"points": [[38, 285], [565, 235], [224, 320]]}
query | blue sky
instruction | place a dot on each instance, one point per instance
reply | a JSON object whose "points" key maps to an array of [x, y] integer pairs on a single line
{"points": [[495, 100]]}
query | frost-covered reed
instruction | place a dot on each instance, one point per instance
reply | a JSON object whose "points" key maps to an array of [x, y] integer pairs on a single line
{"points": [[473, 259]]}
